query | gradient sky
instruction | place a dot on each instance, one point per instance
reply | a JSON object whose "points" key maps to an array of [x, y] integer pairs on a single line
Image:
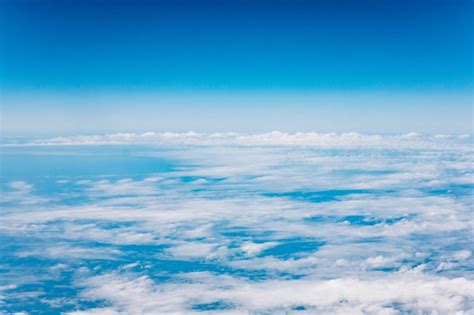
{"points": [[104, 66]]}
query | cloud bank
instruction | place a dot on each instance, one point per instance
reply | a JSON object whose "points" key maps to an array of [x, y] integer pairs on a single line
{"points": [[275, 138]]}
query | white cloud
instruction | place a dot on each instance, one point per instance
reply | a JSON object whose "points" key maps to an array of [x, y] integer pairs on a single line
{"points": [[350, 139], [21, 186], [64, 251], [252, 249], [462, 254], [397, 293], [368, 208], [22, 193], [380, 261], [191, 250], [124, 186]]}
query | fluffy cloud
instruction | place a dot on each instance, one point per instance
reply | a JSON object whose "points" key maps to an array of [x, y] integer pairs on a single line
{"points": [[393, 294]]}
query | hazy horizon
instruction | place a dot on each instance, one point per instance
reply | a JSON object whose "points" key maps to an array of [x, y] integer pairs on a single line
{"points": [[244, 66]]}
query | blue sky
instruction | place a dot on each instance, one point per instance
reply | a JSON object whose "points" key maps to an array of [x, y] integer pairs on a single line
{"points": [[108, 205], [390, 66]]}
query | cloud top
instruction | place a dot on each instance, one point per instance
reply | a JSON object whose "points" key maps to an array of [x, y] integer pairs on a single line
{"points": [[274, 138]]}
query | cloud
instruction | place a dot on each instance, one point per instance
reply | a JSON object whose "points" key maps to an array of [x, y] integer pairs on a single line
{"points": [[21, 186], [380, 261], [462, 254], [393, 294], [252, 249], [67, 252], [21, 192], [350, 139], [191, 250], [124, 186], [255, 228]]}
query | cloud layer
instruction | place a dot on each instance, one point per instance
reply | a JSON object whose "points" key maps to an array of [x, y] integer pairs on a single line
{"points": [[351, 139], [374, 227]]}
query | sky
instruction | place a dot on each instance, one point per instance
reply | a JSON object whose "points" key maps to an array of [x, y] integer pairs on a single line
{"points": [[69, 67], [109, 205]]}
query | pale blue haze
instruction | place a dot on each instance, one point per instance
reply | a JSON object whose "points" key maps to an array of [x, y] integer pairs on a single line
{"points": [[248, 66]]}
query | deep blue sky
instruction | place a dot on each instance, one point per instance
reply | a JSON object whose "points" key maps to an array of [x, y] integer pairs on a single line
{"points": [[96, 48]]}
